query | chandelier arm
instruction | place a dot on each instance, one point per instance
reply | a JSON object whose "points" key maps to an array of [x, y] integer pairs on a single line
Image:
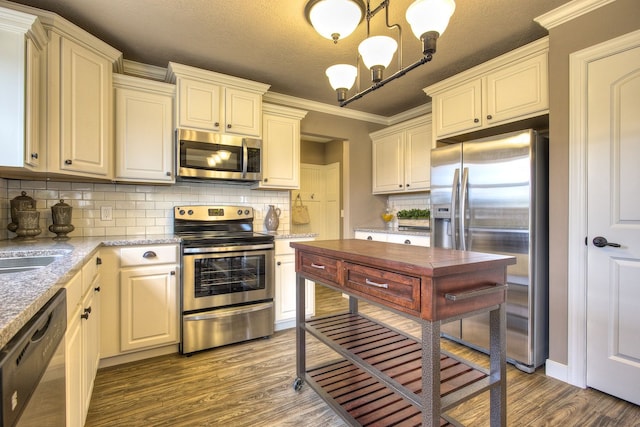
{"points": [[397, 74], [390, 27]]}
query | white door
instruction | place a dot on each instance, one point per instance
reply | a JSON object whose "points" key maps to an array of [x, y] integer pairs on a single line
{"points": [[613, 287], [320, 192]]}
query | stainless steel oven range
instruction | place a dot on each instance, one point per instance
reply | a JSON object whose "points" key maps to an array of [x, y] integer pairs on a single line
{"points": [[227, 276]]}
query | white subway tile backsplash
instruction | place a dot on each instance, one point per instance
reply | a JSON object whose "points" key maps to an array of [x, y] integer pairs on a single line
{"points": [[137, 209]]}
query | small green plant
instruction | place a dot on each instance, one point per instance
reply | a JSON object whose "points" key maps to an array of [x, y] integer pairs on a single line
{"points": [[414, 214]]}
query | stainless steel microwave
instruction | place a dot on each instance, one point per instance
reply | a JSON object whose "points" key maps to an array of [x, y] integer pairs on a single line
{"points": [[208, 155]]}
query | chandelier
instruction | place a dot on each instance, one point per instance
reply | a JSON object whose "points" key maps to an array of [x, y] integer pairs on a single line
{"points": [[337, 19]]}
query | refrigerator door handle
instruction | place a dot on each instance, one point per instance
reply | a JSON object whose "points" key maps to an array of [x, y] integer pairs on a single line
{"points": [[454, 200], [463, 209]]}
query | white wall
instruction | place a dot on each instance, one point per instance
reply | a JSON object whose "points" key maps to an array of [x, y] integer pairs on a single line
{"points": [[137, 209]]}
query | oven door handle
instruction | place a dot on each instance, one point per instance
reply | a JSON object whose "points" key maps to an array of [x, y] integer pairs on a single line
{"points": [[226, 312], [219, 249]]}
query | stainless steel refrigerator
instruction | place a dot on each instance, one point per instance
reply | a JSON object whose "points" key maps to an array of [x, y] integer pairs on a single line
{"points": [[490, 195]]}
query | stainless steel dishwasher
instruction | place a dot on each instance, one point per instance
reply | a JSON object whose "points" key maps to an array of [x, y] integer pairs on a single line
{"points": [[32, 369]]}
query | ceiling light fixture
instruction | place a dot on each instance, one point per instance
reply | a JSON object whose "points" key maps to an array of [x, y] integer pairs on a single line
{"points": [[428, 20]]}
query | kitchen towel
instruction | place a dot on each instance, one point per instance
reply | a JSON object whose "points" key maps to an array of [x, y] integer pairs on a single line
{"points": [[299, 212]]}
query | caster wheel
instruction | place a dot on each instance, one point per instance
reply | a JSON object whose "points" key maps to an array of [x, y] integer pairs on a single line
{"points": [[297, 384]]}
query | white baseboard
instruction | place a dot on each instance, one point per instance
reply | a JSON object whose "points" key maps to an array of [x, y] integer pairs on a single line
{"points": [[557, 370]]}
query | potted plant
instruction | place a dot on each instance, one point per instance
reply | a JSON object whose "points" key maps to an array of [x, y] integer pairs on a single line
{"points": [[417, 218]]}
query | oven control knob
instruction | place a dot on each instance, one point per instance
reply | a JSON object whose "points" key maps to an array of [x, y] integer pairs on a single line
{"points": [[239, 212], [181, 212], [246, 212], [190, 212]]}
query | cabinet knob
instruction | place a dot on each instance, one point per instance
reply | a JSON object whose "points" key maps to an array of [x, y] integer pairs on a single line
{"points": [[476, 120], [34, 155], [369, 238], [278, 263], [266, 179], [98, 261], [216, 124], [168, 173], [97, 289], [68, 162], [408, 185], [87, 310], [407, 242], [173, 273], [489, 117], [84, 316], [229, 126], [400, 185]]}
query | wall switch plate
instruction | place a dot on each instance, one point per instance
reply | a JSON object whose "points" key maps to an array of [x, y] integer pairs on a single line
{"points": [[106, 213]]}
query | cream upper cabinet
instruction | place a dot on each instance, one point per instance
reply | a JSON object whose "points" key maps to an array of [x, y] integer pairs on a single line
{"points": [[80, 109], [509, 88], [280, 148], [216, 102], [22, 42], [401, 157], [143, 130]]}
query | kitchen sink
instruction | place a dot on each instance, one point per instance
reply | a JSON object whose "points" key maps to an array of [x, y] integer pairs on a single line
{"points": [[26, 263]]}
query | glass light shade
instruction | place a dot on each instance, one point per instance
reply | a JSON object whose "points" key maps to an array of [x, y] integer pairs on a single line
{"points": [[342, 76], [377, 50], [429, 15], [335, 19]]}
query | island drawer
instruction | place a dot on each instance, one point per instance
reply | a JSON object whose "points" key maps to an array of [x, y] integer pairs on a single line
{"points": [[394, 290], [325, 269]]}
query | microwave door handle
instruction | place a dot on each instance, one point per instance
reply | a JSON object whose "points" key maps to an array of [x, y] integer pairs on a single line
{"points": [[245, 158]]}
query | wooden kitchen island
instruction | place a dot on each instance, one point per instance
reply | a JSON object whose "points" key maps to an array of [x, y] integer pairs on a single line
{"points": [[384, 376]]}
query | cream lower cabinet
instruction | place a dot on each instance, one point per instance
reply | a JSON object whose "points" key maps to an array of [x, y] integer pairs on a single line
{"points": [[407, 239], [82, 340], [285, 292], [143, 130], [506, 89], [141, 302], [401, 157]]}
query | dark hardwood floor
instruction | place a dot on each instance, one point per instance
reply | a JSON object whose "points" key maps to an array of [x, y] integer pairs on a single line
{"points": [[250, 384]]}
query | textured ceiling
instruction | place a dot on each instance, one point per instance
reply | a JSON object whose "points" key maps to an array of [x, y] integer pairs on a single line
{"points": [[271, 42]]}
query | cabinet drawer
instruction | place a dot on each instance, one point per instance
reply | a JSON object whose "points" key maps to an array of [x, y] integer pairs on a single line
{"points": [[395, 290], [282, 246], [323, 268], [148, 255]]}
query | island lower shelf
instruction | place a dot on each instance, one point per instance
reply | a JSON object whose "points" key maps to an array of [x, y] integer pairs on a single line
{"points": [[384, 385]]}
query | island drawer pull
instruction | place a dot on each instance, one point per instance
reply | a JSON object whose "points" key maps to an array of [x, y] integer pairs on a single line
{"points": [[377, 285], [320, 267], [475, 293]]}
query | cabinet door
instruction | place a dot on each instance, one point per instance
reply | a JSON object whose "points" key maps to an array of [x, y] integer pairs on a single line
{"points": [[243, 112], [149, 309], [281, 152], [388, 164], [417, 167], [144, 136], [34, 101], [86, 118], [73, 355], [517, 91], [90, 331], [285, 299], [198, 105], [459, 109]]}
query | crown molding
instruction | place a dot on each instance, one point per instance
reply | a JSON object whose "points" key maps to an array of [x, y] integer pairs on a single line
{"points": [[146, 71], [569, 11]]}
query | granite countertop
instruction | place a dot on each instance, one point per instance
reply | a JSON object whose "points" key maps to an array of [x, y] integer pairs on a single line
{"points": [[393, 231], [24, 293]]}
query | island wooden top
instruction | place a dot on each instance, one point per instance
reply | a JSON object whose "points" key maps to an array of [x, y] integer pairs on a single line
{"points": [[428, 283], [420, 260]]}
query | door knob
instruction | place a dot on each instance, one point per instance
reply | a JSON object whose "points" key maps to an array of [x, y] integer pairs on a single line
{"points": [[601, 242]]}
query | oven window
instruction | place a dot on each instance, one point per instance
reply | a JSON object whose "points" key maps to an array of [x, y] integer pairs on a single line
{"points": [[226, 275], [210, 156]]}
